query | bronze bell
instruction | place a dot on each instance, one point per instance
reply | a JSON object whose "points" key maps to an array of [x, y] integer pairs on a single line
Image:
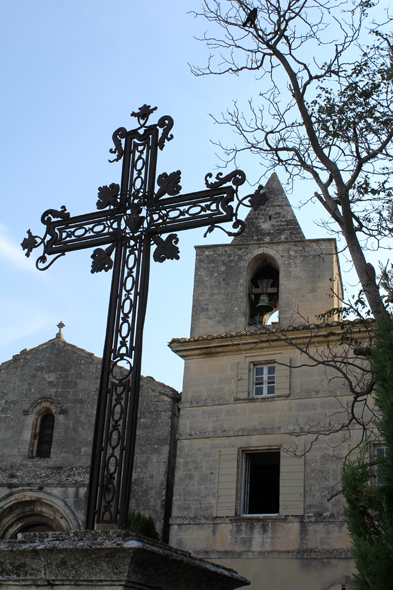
{"points": [[264, 285], [265, 303]]}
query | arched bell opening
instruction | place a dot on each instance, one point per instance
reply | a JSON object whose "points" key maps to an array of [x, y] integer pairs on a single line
{"points": [[263, 290]]}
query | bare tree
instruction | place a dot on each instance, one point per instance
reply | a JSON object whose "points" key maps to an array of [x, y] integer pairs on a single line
{"points": [[324, 72]]}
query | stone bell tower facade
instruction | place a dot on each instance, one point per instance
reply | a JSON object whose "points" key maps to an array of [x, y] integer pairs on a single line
{"points": [[254, 474]]}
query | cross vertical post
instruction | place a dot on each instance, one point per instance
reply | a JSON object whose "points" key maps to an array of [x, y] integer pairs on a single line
{"points": [[130, 217]]}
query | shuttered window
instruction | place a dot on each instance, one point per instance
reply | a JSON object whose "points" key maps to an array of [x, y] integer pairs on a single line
{"points": [[291, 483], [242, 384], [272, 482], [226, 482], [283, 364]]}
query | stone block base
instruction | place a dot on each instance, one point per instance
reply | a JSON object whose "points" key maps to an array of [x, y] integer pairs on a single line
{"points": [[106, 560]]}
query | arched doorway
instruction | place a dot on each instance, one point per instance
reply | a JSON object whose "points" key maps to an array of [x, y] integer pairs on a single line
{"points": [[26, 510]]}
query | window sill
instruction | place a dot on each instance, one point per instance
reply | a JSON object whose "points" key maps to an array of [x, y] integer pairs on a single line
{"points": [[263, 398], [257, 517]]}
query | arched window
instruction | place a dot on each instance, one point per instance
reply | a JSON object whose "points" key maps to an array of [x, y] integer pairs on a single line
{"points": [[45, 435]]}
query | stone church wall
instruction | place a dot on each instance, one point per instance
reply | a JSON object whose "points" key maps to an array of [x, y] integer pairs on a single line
{"points": [[65, 378]]}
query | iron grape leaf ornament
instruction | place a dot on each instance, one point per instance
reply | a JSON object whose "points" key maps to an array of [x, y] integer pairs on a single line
{"points": [[169, 184], [29, 243], [102, 259], [258, 198], [107, 196], [166, 249]]}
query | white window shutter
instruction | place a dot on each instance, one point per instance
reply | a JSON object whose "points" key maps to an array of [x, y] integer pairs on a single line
{"points": [[283, 375], [291, 483], [226, 482], [242, 383]]}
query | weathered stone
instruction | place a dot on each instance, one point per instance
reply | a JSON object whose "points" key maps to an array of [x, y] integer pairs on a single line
{"points": [[108, 560], [64, 378], [305, 545]]}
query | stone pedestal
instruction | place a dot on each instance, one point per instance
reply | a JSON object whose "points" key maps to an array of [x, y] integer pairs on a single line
{"points": [[106, 560]]}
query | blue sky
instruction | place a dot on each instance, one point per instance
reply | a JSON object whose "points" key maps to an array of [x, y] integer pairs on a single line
{"points": [[72, 72]]}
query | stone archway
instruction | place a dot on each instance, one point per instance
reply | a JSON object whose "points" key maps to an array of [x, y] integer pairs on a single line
{"points": [[27, 509]]}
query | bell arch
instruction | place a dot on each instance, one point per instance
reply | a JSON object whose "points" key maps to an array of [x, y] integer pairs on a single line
{"points": [[263, 288]]}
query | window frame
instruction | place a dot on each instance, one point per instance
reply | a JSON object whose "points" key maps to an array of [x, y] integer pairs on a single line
{"points": [[36, 432], [265, 383], [245, 481]]}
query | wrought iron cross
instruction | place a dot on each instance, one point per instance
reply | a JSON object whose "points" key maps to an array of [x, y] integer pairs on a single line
{"points": [[129, 218]]}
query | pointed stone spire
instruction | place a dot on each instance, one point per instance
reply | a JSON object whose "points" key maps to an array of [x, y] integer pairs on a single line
{"points": [[273, 221]]}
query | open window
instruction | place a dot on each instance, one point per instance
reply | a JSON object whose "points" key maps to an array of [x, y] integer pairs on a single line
{"points": [[261, 482]]}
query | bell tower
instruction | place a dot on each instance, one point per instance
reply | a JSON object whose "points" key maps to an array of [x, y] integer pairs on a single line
{"points": [[269, 268], [253, 476]]}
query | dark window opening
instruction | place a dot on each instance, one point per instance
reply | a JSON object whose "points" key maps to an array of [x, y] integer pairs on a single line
{"points": [[261, 485], [45, 435]]}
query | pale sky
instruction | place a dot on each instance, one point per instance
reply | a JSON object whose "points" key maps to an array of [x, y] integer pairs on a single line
{"points": [[72, 72]]}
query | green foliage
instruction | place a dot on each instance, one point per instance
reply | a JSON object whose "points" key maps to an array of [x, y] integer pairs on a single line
{"points": [[382, 366], [359, 109], [369, 511], [142, 525]]}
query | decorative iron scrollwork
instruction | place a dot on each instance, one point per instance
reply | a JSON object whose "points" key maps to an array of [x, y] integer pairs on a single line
{"points": [[134, 220], [117, 136], [169, 184], [47, 216], [127, 219], [107, 196], [166, 124], [143, 114], [43, 259], [166, 249], [237, 177]]}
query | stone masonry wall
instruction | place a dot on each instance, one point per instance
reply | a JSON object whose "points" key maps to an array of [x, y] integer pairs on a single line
{"points": [[214, 419], [309, 273], [65, 378]]}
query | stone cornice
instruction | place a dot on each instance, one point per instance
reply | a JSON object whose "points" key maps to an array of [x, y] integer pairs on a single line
{"points": [[275, 338]]}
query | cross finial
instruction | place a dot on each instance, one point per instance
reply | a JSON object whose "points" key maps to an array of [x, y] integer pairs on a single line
{"points": [[59, 333]]}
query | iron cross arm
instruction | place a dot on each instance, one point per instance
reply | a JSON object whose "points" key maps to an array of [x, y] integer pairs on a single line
{"points": [[65, 234], [130, 217]]}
